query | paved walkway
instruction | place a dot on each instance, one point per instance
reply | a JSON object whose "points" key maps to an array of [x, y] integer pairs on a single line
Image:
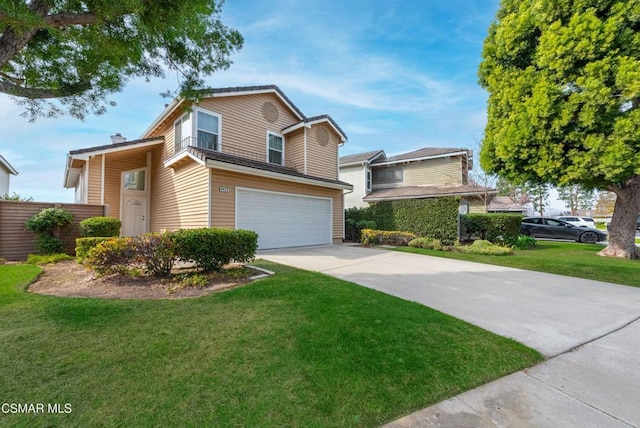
{"points": [[596, 384]]}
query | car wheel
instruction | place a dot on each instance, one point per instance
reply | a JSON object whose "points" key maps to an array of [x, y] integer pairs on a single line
{"points": [[525, 232], [589, 238]]}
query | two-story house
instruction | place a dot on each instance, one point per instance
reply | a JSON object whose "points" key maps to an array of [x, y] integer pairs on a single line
{"points": [[425, 173], [6, 171], [242, 158]]}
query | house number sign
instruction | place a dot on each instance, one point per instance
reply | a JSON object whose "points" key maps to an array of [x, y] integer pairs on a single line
{"points": [[224, 189]]}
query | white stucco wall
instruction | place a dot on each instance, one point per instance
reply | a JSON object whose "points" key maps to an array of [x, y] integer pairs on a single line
{"points": [[354, 175], [4, 180]]}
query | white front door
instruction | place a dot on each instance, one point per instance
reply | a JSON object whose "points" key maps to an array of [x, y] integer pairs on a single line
{"points": [[133, 212], [134, 221]]}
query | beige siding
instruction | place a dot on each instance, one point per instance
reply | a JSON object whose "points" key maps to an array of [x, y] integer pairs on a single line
{"points": [[476, 205], [433, 172], [322, 161], [16, 243], [179, 196], [223, 203], [294, 149], [116, 164], [95, 180]]}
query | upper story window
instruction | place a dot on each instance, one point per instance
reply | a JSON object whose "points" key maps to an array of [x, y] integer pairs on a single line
{"points": [[199, 128], [275, 148], [368, 180], [388, 175]]}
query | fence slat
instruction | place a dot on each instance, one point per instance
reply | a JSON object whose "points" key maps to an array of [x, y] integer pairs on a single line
{"points": [[16, 243]]}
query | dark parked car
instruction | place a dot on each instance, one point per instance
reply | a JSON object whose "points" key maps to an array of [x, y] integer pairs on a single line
{"points": [[540, 227]]}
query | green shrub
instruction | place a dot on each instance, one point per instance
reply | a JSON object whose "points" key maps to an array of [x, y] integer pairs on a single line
{"points": [[523, 242], [434, 217], [210, 249], [386, 237], [113, 255], [44, 224], [100, 227], [485, 248], [353, 230], [156, 252], [497, 228], [47, 244], [84, 245], [39, 259], [428, 243]]}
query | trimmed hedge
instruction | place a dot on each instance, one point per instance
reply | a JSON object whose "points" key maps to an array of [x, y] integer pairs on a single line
{"points": [[492, 227], [428, 243], [210, 249], [84, 245], [100, 227], [386, 237], [485, 248], [434, 217]]}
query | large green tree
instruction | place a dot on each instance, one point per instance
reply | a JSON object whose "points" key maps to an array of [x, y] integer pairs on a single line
{"points": [[563, 78], [79, 52]]}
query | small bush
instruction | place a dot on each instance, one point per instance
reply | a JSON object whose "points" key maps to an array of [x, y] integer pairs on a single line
{"points": [[354, 228], [384, 237], [84, 245], [523, 242], [46, 220], [495, 228], [428, 243], [100, 227], [485, 248], [114, 255], [47, 244], [43, 225], [39, 259], [210, 249], [156, 252]]}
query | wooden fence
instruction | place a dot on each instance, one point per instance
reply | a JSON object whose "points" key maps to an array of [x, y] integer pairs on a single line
{"points": [[16, 243]]}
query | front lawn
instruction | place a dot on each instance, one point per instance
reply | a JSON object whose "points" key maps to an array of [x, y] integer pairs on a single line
{"points": [[296, 349], [563, 258]]}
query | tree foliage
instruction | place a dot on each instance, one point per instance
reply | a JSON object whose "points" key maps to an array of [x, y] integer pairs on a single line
{"points": [[564, 94], [80, 52]]}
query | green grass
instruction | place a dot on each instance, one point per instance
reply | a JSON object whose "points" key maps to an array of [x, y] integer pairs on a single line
{"points": [[563, 258], [296, 349]]}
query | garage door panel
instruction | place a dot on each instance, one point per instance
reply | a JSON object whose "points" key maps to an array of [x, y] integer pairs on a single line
{"points": [[284, 220]]}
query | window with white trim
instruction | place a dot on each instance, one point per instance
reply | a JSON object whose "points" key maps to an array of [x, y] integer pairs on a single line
{"points": [[368, 180], [200, 129], [388, 175], [208, 129], [275, 148]]}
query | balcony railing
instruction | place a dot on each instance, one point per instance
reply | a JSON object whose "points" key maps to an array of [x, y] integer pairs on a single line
{"points": [[239, 153]]}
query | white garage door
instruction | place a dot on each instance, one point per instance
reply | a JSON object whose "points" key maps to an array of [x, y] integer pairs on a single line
{"points": [[284, 219]]}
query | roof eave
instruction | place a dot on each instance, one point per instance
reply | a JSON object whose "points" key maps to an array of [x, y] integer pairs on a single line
{"points": [[443, 155]]}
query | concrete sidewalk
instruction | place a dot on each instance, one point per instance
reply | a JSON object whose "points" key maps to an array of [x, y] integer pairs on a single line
{"points": [[595, 385]]}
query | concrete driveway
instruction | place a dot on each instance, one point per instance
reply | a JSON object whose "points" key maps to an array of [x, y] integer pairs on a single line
{"points": [[596, 384]]}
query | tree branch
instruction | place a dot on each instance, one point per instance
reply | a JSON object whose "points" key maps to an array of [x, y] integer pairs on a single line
{"points": [[61, 20], [40, 93]]}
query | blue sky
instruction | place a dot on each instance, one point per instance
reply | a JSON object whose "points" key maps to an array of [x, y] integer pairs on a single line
{"points": [[396, 75]]}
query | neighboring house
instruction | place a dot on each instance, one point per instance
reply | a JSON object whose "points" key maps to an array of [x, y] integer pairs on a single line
{"points": [[424, 173], [6, 171], [242, 158], [506, 205]]}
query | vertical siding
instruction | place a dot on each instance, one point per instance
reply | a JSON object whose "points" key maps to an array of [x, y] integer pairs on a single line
{"points": [[433, 172], [223, 203], [322, 161], [179, 196], [16, 243]]}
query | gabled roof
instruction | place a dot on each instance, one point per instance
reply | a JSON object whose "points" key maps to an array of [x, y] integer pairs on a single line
{"points": [[310, 121], [505, 203], [358, 158], [8, 166], [422, 192], [424, 153], [245, 90]]}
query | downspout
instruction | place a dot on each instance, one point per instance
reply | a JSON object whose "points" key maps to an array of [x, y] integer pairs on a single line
{"points": [[86, 180], [102, 181]]}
